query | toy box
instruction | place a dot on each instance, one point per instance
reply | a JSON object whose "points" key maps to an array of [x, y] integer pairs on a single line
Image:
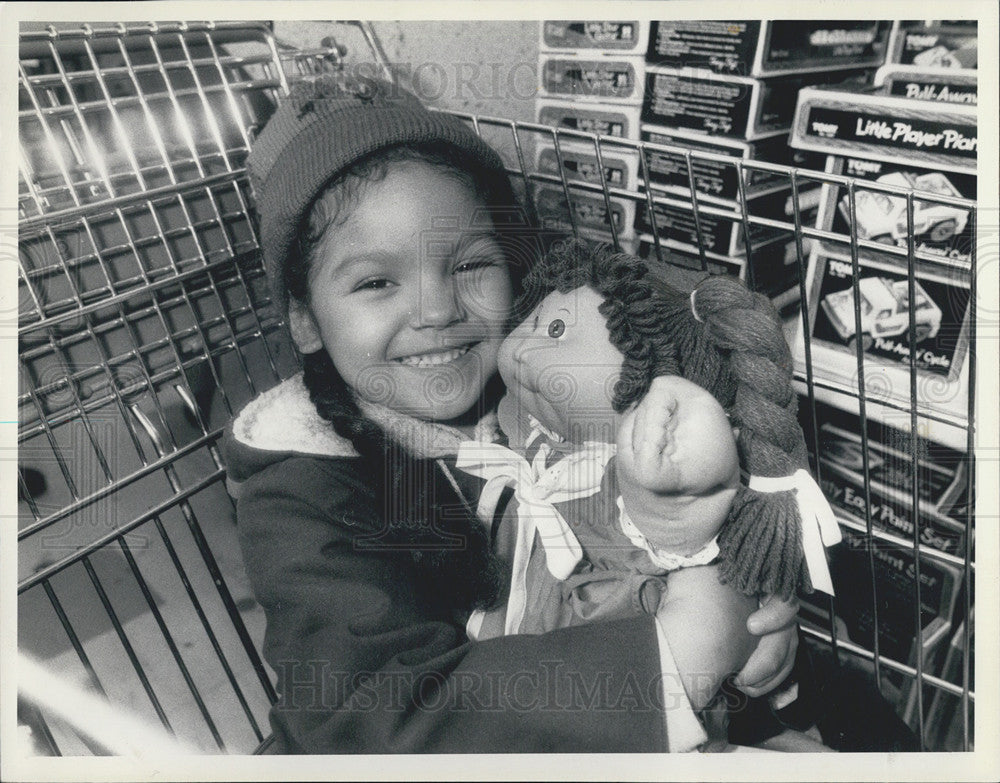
{"points": [[869, 124], [602, 119], [720, 228], [717, 179], [941, 85], [590, 210], [737, 106], [588, 36], [590, 79], [577, 161], [877, 591], [940, 231], [951, 46], [941, 477], [767, 48], [942, 304], [772, 270]]}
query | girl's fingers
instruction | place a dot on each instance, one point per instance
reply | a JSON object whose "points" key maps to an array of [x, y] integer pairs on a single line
{"points": [[775, 613], [769, 664]]}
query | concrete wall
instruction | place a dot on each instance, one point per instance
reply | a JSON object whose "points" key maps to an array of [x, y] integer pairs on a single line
{"points": [[477, 67]]}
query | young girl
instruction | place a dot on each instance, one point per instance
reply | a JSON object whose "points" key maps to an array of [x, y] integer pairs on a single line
{"points": [[393, 243]]}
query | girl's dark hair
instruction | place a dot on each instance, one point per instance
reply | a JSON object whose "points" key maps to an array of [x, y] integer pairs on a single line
{"points": [[422, 512], [728, 340]]}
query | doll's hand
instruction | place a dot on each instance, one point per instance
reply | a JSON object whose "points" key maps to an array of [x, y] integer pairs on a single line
{"points": [[643, 440], [774, 657]]}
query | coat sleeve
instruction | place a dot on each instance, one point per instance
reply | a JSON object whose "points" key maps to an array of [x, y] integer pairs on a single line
{"points": [[368, 660]]}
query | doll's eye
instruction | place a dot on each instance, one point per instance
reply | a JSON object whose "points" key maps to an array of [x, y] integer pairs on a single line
{"points": [[557, 328]]}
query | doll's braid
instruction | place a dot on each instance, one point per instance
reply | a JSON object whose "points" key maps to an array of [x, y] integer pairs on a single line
{"points": [[743, 326], [761, 542]]}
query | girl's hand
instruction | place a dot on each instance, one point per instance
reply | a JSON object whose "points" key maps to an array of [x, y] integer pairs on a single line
{"points": [[772, 660]]}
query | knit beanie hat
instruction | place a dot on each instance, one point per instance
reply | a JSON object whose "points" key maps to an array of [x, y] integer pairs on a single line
{"points": [[323, 126]]}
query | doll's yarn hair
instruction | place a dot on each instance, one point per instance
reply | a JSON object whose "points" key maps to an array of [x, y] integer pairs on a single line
{"points": [[729, 341]]}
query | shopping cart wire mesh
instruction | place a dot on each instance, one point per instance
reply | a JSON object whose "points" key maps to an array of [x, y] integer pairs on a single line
{"points": [[145, 323]]}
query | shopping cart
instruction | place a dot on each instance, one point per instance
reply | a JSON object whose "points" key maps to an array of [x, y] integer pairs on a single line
{"points": [[145, 323]]}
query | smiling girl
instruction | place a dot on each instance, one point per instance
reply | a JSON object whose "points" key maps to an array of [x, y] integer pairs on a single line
{"points": [[393, 242]]}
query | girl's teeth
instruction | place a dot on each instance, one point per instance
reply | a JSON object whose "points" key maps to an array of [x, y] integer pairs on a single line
{"points": [[431, 359]]}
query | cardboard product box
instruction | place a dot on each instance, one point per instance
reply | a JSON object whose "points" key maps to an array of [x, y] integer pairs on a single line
{"points": [[941, 321], [591, 78], [724, 234], [590, 211], [737, 106], [887, 583], [577, 162], [940, 85], [940, 471], [602, 119], [940, 231], [867, 123], [941, 370], [773, 268], [593, 37], [718, 179], [767, 48], [944, 46]]}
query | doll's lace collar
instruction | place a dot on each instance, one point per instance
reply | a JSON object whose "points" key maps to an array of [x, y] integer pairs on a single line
{"points": [[665, 560]]}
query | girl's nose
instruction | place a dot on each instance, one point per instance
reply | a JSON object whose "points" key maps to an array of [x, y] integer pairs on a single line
{"points": [[437, 306]]}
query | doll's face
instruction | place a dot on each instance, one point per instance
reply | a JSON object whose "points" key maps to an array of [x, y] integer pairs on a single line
{"points": [[559, 366]]}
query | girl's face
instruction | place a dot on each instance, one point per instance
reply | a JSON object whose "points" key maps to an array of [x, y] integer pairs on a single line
{"points": [[410, 295]]}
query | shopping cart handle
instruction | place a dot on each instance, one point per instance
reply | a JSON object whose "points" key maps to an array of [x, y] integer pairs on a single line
{"points": [[93, 718]]}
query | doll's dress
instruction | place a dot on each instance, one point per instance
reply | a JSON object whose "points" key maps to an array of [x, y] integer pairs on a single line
{"points": [[617, 574]]}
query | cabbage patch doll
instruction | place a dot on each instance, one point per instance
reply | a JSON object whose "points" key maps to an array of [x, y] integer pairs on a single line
{"points": [[648, 430]]}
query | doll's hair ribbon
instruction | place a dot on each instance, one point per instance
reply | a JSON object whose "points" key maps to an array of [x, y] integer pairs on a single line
{"points": [[819, 525], [536, 489]]}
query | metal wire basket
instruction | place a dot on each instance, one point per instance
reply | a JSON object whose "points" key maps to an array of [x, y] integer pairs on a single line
{"points": [[145, 323]]}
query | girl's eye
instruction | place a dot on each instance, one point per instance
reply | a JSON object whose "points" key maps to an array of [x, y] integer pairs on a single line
{"points": [[475, 264], [557, 328], [375, 284]]}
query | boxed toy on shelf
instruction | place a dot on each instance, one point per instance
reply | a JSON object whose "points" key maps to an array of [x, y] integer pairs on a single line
{"points": [[938, 523], [770, 269], [941, 85], [578, 161], [591, 215], [882, 296], [591, 77], [953, 45], [939, 230], [738, 106], [599, 118], [718, 179], [877, 585], [767, 48], [868, 123], [721, 228], [594, 36]]}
